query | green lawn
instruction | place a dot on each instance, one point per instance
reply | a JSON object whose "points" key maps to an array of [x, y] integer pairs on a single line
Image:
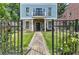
{"points": [[48, 39], [27, 38], [58, 41]]}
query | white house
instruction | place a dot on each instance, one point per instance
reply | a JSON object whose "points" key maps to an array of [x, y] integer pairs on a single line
{"points": [[38, 16]]}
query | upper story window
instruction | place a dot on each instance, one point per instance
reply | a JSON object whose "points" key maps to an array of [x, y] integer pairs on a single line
{"points": [[27, 11], [38, 12], [49, 11], [70, 14]]}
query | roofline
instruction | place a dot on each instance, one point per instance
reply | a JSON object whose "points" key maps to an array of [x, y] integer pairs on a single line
{"points": [[40, 3]]}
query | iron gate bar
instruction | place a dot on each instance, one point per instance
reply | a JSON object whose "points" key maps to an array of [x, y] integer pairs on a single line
{"points": [[76, 25], [4, 41], [63, 29], [52, 37], [76, 30], [21, 37], [1, 34], [14, 39], [56, 40], [69, 31], [66, 31], [60, 36], [9, 45], [10, 38], [18, 38], [63, 37]]}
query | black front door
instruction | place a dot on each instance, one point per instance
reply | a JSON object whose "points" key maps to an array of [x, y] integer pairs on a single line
{"points": [[37, 26]]}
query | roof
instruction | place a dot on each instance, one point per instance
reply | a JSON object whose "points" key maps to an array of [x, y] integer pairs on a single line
{"points": [[39, 1], [71, 12]]}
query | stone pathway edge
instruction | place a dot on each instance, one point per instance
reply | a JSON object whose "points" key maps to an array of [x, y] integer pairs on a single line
{"points": [[31, 40]]}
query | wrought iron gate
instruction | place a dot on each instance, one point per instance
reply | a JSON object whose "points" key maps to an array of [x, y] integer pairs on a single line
{"points": [[11, 37], [65, 37]]}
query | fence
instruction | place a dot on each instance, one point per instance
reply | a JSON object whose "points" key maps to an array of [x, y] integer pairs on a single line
{"points": [[11, 37], [65, 37]]}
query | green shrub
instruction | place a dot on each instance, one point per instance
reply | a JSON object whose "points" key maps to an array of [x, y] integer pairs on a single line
{"points": [[69, 47]]}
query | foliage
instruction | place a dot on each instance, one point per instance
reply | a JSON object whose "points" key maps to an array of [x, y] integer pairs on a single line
{"points": [[70, 47], [9, 11], [61, 8]]}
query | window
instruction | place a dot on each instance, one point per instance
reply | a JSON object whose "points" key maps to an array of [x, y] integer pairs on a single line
{"points": [[27, 11], [50, 24], [27, 25], [49, 11], [39, 11], [70, 14]]}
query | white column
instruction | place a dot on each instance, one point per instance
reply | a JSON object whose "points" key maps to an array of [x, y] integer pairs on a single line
{"points": [[32, 26], [44, 24], [24, 24]]}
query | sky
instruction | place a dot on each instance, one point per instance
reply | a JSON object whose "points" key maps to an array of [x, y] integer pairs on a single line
{"points": [[39, 1]]}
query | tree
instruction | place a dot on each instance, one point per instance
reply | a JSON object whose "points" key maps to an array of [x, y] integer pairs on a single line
{"points": [[3, 11], [9, 11], [61, 8], [14, 8]]}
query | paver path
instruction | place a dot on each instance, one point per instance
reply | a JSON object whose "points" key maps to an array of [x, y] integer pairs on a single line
{"points": [[37, 45]]}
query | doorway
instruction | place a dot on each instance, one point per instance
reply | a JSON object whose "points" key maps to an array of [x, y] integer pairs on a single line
{"points": [[37, 26]]}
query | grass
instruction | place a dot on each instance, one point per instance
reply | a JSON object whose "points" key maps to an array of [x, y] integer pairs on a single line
{"points": [[27, 36], [48, 39], [58, 41]]}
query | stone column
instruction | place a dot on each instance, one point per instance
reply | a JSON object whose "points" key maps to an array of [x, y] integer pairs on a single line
{"points": [[32, 26], [44, 24], [24, 24]]}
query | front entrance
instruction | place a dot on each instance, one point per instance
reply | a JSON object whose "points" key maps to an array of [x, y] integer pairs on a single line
{"points": [[37, 26]]}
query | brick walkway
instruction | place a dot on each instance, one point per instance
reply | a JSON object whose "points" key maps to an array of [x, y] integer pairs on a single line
{"points": [[38, 45]]}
